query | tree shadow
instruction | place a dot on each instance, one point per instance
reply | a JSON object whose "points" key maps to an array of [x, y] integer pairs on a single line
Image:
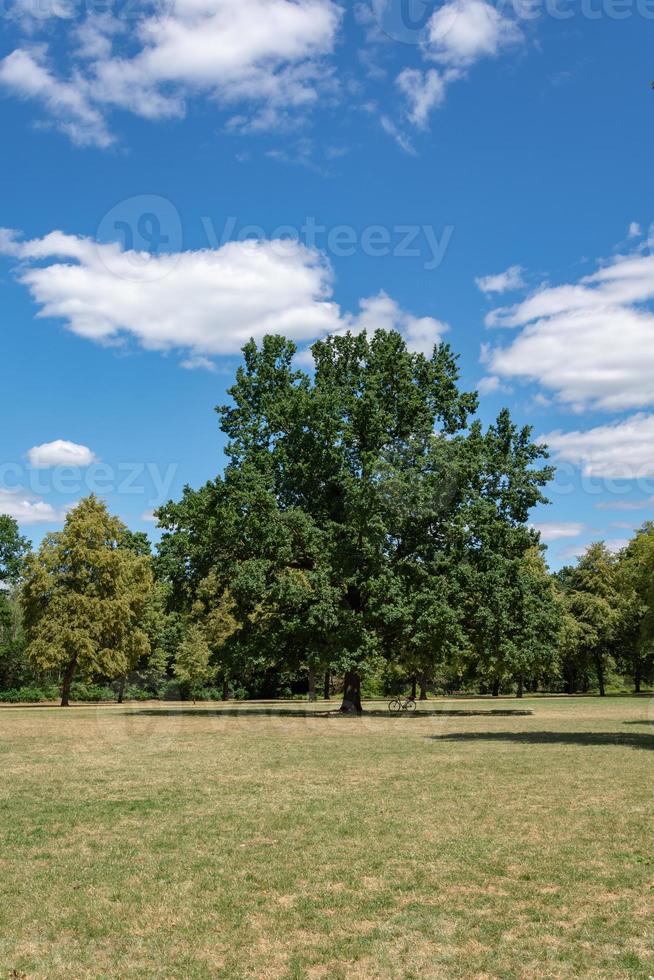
{"points": [[335, 713], [645, 721], [634, 741]]}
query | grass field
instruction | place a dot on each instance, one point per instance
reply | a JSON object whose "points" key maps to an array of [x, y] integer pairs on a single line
{"points": [[171, 841]]}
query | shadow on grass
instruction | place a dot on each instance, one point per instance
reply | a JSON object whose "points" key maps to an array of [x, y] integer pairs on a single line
{"points": [[335, 713], [634, 741], [643, 721]]}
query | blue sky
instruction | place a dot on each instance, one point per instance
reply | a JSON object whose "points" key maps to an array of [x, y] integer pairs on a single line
{"points": [[463, 170]]}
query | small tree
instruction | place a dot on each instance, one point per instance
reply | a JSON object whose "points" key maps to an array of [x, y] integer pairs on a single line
{"points": [[593, 598], [192, 665], [83, 598]]}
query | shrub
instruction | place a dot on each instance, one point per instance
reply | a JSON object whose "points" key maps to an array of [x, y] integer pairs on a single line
{"points": [[33, 692]]}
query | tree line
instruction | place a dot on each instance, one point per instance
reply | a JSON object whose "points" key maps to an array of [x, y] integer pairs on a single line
{"points": [[366, 529]]}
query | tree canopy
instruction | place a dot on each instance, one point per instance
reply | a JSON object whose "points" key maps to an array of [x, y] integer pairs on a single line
{"points": [[84, 596]]}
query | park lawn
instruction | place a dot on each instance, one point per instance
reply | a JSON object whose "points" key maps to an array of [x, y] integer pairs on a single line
{"points": [[177, 841]]}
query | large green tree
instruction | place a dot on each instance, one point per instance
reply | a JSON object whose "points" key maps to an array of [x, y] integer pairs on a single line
{"points": [[344, 511], [83, 598]]}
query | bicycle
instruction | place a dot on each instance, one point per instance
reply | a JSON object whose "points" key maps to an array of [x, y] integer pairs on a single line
{"points": [[402, 704]]}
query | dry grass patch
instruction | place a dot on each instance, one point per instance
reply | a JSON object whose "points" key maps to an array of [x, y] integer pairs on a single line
{"points": [[166, 840]]}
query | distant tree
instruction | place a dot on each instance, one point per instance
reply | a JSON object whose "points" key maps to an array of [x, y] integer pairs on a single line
{"points": [[214, 612], [164, 628], [83, 598], [593, 599], [635, 581], [13, 550], [192, 662]]}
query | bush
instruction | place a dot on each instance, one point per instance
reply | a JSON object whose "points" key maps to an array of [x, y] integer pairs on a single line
{"points": [[22, 695]]}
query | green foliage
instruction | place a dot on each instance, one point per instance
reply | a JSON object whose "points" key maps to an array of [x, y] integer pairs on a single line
{"points": [[596, 607], [84, 598], [192, 665], [13, 550], [359, 518]]}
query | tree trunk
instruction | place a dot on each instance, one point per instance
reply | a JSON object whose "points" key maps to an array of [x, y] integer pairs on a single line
{"points": [[414, 687], [496, 688], [423, 686], [327, 687], [520, 688], [312, 685], [225, 688], [121, 689], [600, 676], [351, 694], [637, 681], [66, 683]]}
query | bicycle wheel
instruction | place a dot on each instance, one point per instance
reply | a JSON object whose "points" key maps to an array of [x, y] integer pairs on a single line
{"points": [[394, 705], [410, 706]]}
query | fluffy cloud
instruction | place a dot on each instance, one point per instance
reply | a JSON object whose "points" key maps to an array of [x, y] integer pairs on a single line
{"points": [[265, 52], [26, 510], [463, 31], [60, 453], [383, 313], [557, 530], [504, 282], [204, 303], [621, 450], [592, 342], [25, 74], [459, 33]]}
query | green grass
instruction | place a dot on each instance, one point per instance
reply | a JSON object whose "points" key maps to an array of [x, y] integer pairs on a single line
{"points": [[170, 841]]}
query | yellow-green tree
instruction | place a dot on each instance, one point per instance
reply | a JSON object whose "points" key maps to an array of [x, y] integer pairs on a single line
{"points": [[83, 598], [192, 665]]}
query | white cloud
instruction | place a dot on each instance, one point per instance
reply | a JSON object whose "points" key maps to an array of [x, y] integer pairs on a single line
{"points": [[204, 303], [392, 130], [383, 313], [25, 75], [424, 91], [197, 363], [60, 453], [614, 545], [621, 450], [263, 52], [635, 230], [463, 31], [504, 282], [457, 35], [557, 530], [489, 385], [627, 505], [28, 511], [592, 342]]}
